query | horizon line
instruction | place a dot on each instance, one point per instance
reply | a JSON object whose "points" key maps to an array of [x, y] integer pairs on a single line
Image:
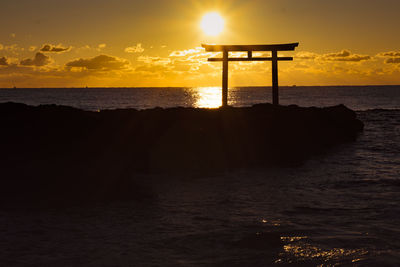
{"points": [[144, 87]]}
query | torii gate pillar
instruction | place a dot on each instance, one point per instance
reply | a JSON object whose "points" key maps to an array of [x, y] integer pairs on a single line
{"points": [[225, 78], [225, 49]]}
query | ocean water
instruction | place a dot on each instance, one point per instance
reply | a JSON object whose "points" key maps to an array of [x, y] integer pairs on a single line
{"points": [[341, 208], [355, 97]]}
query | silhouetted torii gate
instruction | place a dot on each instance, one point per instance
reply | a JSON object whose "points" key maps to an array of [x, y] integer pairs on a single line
{"points": [[274, 48]]}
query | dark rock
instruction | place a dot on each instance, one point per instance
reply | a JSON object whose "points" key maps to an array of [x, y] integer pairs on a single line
{"points": [[57, 152]]}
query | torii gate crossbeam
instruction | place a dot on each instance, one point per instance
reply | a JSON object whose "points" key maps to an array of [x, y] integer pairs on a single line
{"points": [[225, 49]]}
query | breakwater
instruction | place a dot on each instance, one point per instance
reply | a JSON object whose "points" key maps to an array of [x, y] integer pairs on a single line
{"points": [[57, 152]]}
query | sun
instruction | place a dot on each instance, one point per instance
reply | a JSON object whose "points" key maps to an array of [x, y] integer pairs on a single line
{"points": [[212, 23]]}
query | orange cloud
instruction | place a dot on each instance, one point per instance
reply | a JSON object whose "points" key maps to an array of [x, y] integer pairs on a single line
{"points": [[183, 53], [345, 55], [39, 60], [389, 54], [151, 68], [394, 60], [135, 49], [190, 67], [306, 55], [392, 57], [154, 60]]}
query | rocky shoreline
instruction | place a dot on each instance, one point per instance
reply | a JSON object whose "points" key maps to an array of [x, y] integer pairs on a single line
{"points": [[58, 152]]}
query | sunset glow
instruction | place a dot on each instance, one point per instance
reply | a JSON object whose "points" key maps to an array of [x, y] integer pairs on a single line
{"points": [[212, 23], [158, 43], [200, 133]]}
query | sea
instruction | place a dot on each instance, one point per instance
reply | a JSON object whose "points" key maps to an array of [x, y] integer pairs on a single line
{"points": [[341, 208]]}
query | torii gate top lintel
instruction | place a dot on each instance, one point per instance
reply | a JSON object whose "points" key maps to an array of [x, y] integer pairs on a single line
{"points": [[274, 48], [260, 47]]}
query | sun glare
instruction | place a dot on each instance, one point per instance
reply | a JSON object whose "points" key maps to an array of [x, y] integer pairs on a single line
{"points": [[212, 23], [207, 97]]}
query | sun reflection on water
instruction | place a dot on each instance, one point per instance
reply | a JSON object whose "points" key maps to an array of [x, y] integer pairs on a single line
{"points": [[207, 97], [298, 247]]}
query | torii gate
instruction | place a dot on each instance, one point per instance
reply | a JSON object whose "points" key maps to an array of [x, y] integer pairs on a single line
{"points": [[274, 48]]}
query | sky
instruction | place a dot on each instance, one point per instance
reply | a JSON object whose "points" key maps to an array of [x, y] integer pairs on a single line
{"points": [[128, 43]]}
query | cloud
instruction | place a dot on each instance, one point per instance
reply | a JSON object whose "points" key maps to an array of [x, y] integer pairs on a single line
{"points": [[152, 68], [301, 66], [306, 55], [52, 48], [389, 54], [194, 54], [393, 60], [184, 53], [101, 62], [101, 46], [392, 57], [3, 61], [39, 60], [12, 48], [154, 60], [190, 61], [135, 49], [345, 55]]}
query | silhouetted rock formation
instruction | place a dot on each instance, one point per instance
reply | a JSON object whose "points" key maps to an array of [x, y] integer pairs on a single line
{"points": [[58, 152]]}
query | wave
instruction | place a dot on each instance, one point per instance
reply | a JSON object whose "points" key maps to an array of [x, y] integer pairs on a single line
{"points": [[379, 110]]}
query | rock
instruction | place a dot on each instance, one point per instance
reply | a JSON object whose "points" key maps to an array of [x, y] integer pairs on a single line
{"points": [[62, 151]]}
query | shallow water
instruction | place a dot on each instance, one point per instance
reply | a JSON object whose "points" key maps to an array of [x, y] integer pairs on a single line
{"points": [[338, 208]]}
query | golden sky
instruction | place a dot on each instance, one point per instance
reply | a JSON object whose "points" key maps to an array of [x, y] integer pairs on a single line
{"points": [[105, 43]]}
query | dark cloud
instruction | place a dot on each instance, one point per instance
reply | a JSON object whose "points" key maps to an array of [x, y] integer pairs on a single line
{"points": [[393, 60], [52, 48], [392, 57], [345, 55], [390, 54], [102, 62], [38, 61], [3, 61]]}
